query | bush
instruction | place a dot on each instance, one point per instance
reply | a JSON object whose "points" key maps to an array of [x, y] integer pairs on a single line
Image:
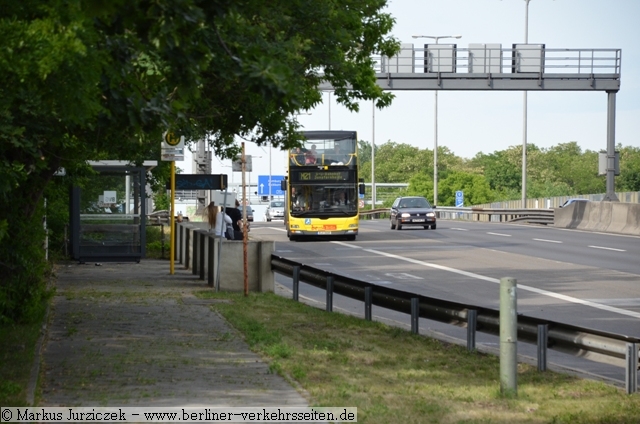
{"points": [[155, 241]]}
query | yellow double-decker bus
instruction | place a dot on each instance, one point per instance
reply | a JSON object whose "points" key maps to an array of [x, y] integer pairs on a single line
{"points": [[322, 186]]}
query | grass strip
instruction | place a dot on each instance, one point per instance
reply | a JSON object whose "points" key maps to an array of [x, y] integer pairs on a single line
{"points": [[17, 349], [391, 375]]}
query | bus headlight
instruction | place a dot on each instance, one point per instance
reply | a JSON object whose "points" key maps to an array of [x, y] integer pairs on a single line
{"points": [[353, 225]]}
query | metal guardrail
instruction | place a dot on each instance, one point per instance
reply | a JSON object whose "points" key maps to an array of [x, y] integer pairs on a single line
{"points": [[530, 216], [616, 349]]}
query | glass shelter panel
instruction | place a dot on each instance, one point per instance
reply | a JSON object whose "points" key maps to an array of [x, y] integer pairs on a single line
{"points": [[110, 216]]}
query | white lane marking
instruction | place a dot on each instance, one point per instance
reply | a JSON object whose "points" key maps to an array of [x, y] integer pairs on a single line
{"points": [[403, 276], [459, 229], [500, 234], [547, 241], [608, 248], [620, 302], [496, 280]]}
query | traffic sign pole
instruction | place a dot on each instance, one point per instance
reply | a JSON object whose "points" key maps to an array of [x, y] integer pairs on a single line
{"points": [[172, 244]]}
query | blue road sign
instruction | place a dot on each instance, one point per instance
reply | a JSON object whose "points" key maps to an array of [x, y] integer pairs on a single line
{"points": [[263, 185], [459, 199]]}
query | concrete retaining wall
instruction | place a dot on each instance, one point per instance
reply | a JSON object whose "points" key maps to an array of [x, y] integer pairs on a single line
{"points": [[197, 249], [610, 217]]}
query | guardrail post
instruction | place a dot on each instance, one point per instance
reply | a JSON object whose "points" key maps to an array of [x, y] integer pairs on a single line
{"points": [[194, 251], [180, 243], [415, 314], [329, 293], [187, 237], [201, 242], [472, 321], [543, 337], [296, 282], [368, 297], [210, 260], [508, 336], [631, 378]]}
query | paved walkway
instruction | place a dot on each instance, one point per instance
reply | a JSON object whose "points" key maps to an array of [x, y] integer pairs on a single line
{"points": [[127, 334]]}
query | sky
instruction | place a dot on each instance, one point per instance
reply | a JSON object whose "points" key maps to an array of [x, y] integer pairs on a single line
{"points": [[473, 122]]}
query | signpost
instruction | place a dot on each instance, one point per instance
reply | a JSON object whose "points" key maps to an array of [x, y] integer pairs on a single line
{"points": [[268, 188], [459, 199], [172, 149]]}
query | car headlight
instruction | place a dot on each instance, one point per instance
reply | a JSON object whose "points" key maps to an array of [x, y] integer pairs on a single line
{"points": [[431, 214], [405, 215]]}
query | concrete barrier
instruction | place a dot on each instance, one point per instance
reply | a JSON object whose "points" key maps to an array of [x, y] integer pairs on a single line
{"points": [[619, 215], [611, 217], [199, 250]]}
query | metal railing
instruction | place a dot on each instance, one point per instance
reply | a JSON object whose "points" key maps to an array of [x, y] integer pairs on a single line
{"points": [[616, 349], [484, 59], [530, 216]]}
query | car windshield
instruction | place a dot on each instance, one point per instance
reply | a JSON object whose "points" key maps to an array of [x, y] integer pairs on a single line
{"points": [[277, 204], [414, 202]]}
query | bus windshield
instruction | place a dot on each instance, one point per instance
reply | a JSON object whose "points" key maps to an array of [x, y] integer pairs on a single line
{"points": [[323, 199]]}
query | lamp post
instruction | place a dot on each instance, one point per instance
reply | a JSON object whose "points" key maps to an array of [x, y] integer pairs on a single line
{"points": [[524, 116], [435, 124], [373, 155], [329, 103]]}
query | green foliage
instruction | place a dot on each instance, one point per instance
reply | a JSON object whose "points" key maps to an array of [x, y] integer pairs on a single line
{"points": [[502, 169], [157, 243], [629, 179], [421, 185], [396, 163], [23, 285], [161, 200], [566, 163], [475, 187], [560, 170]]}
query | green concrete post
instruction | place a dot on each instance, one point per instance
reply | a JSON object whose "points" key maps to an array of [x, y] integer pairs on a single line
{"points": [[508, 336]]}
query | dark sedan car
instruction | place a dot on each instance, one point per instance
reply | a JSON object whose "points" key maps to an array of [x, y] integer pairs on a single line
{"points": [[414, 210], [249, 213]]}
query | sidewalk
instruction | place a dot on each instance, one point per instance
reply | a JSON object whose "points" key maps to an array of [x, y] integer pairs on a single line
{"points": [[127, 334]]}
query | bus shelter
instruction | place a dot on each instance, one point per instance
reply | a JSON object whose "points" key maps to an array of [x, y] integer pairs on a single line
{"points": [[108, 214]]}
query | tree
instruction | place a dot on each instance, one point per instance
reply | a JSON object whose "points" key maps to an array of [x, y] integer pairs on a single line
{"points": [[566, 163], [85, 80], [629, 179], [502, 169], [475, 187]]}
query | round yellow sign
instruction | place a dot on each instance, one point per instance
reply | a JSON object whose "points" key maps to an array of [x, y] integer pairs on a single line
{"points": [[171, 139]]}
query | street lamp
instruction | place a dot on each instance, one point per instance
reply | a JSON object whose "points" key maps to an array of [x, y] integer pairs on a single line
{"points": [[524, 117], [435, 125], [329, 102]]}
